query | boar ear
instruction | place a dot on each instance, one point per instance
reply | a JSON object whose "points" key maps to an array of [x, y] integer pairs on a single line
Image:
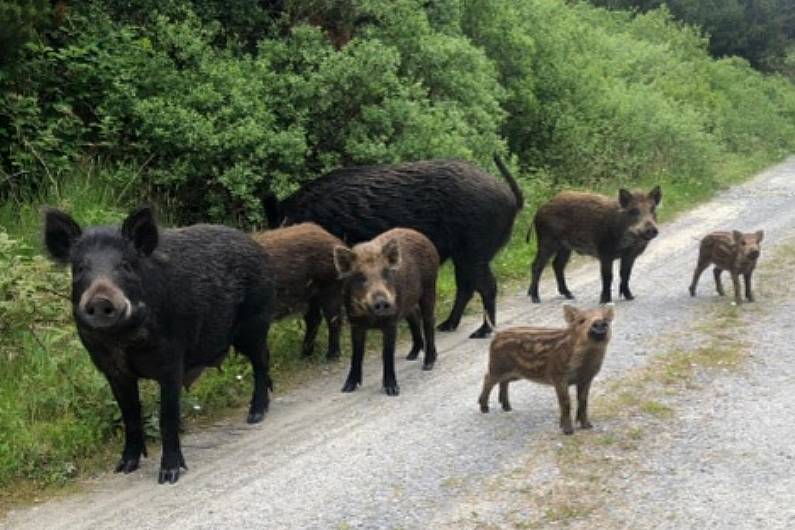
{"points": [[760, 235], [737, 236], [391, 251], [60, 232], [570, 313], [140, 228], [609, 312], [624, 197], [343, 260], [656, 195]]}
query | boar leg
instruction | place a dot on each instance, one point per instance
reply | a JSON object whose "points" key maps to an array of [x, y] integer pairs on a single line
{"points": [[388, 357], [559, 264], [738, 299], [252, 341], [627, 262], [506, 404], [125, 390], [748, 294], [312, 320], [583, 388], [543, 254], [607, 280], [487, 287], [427, 304], [562, 390], [465, 288], [332, 313], [488, 384], [358, 335], [718, 284], [700, 266], [413, 318], [172, 459]]}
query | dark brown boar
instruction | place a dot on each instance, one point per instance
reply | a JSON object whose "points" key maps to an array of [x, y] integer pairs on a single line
{"points": [[597, 226], [729, 251], [306, 281], [387, 279], [557, 357]]}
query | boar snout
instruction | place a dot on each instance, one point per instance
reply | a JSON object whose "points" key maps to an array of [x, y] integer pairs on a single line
{"points": [[599, 330], [381, 305], [103, 305], [650, 232], [753, 254]]}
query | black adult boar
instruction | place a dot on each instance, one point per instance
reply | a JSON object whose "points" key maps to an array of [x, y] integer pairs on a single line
{"points": [[598, 226], [163, 305], [464, 211]]}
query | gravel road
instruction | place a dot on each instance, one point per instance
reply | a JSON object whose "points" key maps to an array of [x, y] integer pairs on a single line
{"points": [[323, 459]]}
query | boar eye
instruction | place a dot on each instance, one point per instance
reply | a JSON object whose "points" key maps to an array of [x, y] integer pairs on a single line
{"points": [[358, 279]]}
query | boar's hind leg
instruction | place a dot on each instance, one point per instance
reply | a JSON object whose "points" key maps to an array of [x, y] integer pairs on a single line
{"points": [[544, 253], [738, 299], [252, 341], [718, 284], [559, 264], [626, 271], [427, 304], [125, 390], [413, 318], [506, 404], [465, 288], [332, 313], [312, 319], [488, 384], [486, 285], [172, 460]]}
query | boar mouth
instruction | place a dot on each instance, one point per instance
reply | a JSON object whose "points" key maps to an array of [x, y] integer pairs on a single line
{"points": [[598, 334]]}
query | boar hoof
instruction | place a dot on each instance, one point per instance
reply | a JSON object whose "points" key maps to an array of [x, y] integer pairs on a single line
{"points": [[506, 407], [170, 476], [586, 425], [484, 408], [567, 295], [482, 332], [568, 430], [307, 351], [413, 354], [605, 299], [332, 355], [392, 389], [692, 291], [255, 417], [350, 386], [169, 468], [127, 465], [627, 295], [428, 365], [447, 326]]}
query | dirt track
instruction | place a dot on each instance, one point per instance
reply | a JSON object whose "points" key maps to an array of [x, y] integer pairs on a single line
{"points": [[323, 459]]}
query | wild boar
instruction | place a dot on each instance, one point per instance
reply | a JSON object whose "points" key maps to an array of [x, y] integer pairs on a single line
{"points": [[594, 225], [386, 280], [305, 280], [163, 305], [557, 357], [729, 251], [464, 211]]}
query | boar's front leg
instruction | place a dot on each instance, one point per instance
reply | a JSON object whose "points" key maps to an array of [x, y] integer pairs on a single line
{"points": [[607, 280], [583, 388], [172, 459], [738, 299], [390, 380], [627, 262], [562, 390], [749, 295], [125, 390], [358, 335]]}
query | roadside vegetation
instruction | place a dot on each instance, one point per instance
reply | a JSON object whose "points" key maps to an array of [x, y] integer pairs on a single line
{"points": [[201, 107]]}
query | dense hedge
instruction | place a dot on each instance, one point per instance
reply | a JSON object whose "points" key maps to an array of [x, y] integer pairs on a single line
{"points": [[211, 106]]}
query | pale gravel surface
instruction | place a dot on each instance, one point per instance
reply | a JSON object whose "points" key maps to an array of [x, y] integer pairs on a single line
{"points": [[323, 459]]}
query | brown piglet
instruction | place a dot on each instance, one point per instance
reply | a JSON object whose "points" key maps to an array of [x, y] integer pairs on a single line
{"points": [[734, 252], [557, 357], [385, 280], [302, 258]]}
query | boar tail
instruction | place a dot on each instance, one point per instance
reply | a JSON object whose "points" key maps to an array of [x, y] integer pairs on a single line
{"points": [[273, 211], [529, 235], [517, 192]]}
